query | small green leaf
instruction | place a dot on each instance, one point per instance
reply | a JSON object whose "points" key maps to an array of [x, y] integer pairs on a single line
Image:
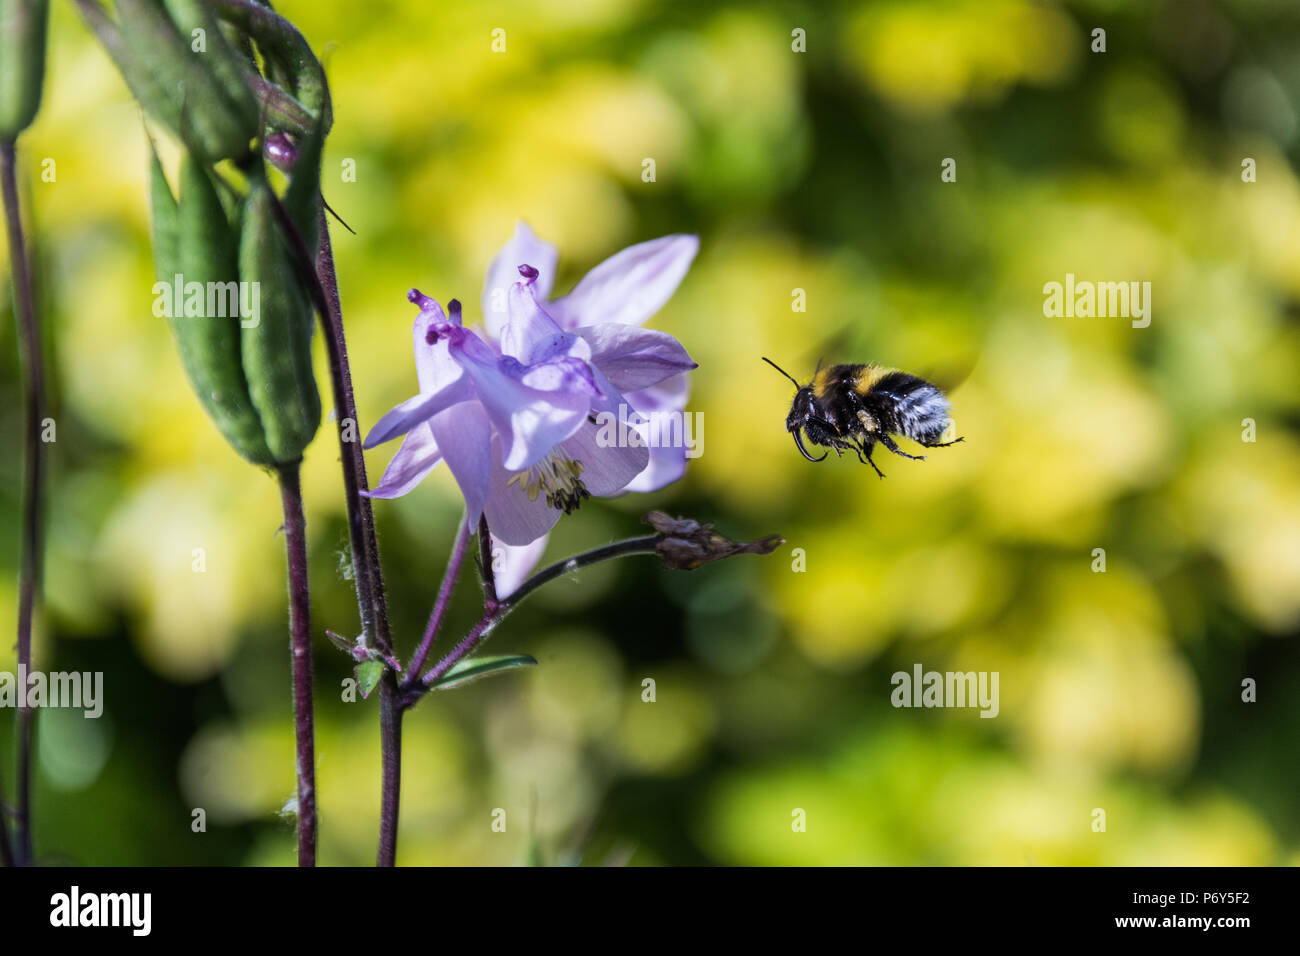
{"points": [[472, 668], [368, 675]]}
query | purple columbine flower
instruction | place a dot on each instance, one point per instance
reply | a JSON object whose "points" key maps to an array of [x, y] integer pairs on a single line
{"points": [[606, 308], [523, 418]]}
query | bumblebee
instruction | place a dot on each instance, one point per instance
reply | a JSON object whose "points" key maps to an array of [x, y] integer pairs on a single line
{"points": [[852, 407]]}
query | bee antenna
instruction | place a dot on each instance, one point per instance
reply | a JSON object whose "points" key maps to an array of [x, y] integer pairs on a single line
{"points": [[782, 371], [819, 365]]}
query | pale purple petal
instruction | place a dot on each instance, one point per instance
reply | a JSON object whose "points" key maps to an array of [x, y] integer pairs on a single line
{"points": [[511, 515], [532, 421], [634, 358], [667, 464], [530, 335], [441, 379], [609, 444], [420, 408], [464, 435], [536, 429], [668, 395], [563, 374], [523, 247], [427, 305], [434, 364], [511, 565], [662, 406], [417, 457], [606, 468], [629, 286]]}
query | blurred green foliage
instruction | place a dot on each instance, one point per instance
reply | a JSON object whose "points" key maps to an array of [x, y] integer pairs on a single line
{"points": [[817, 171]]}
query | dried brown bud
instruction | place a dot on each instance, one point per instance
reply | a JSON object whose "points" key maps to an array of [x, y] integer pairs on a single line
{"points": [[685, 544]]}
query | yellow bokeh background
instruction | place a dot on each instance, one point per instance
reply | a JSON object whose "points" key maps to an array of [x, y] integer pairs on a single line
{"points": [[813, 171]]}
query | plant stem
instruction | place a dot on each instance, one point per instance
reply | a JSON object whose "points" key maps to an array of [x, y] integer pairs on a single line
{"points": [[366, 569], [367, 573], [619, 549], [295, 545], [440, 605], [494, 615], [390, 782], [29, 574]]}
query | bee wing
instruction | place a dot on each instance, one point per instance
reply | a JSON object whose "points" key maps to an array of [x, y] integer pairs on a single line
{"points": [[949, 375]]}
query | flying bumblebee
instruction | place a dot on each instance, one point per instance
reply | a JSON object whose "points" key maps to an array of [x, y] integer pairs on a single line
{"points": [[852, 407]]}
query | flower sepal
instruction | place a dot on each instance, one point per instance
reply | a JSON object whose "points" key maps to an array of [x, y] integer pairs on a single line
{"points": [[361, 652]]}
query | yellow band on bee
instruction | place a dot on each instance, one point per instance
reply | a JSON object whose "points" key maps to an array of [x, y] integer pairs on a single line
{"points": [[868, 376]]}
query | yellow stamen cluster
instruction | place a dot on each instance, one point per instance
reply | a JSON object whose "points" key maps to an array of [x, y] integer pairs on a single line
{"points": [[557, 476]]}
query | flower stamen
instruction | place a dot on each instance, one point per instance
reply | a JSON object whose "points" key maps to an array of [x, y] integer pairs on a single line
{"points": [[557, 476]]}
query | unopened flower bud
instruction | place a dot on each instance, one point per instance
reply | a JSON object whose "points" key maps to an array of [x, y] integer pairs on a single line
{"points": [[685, 544], [280, 151]]}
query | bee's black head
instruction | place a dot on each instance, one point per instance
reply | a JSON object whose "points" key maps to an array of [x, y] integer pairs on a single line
{"points": [[802, 411]]}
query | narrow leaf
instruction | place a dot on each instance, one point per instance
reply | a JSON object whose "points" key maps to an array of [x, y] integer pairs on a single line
{"points": [[471, 669]]}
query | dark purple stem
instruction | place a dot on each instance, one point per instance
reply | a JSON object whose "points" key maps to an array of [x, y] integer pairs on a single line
{"points": [[390, 782], [495, 613], [367, 573], [361, 520], [295, 545], [29, 573], [443, 600], [477, 634]]}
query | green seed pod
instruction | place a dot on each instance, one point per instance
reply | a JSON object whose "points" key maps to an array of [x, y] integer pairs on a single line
{"points": [[165, 219], [200, 28], [148, 89], [178, 85], [277, 351], [288, 57], [207, 249], [22, 63], [302, 200]]}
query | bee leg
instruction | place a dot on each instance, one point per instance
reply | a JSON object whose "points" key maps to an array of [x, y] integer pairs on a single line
{"points": [[889, 443], [941, 444], [863, 448]]}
